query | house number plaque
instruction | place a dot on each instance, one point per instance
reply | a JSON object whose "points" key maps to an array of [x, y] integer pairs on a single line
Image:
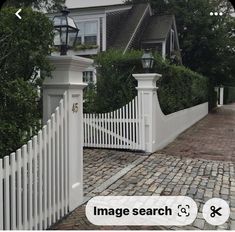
{"points": [[75, 107]]}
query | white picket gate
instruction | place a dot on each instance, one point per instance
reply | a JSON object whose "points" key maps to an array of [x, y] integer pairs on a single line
{"points": [[34, 180], [120, 129]]}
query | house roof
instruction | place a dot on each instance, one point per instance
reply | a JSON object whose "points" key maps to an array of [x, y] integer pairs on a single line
{"points": [[158, 27], [130, 25], [71, 4]]}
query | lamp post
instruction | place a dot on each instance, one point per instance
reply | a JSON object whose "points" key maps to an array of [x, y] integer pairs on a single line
{"points": [[147, 60], [66, 31]]}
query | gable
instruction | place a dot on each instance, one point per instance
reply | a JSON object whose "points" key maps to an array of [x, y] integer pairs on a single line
{"points": [[158, 28]]}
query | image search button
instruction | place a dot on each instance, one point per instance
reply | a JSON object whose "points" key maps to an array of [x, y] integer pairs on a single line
{"points": [[141, 210]]}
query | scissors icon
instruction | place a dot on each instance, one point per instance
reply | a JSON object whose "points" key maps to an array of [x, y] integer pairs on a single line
{"points": [[215, 211]]}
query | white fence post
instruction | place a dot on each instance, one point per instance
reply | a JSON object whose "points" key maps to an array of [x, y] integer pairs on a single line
{"points": [[221, 99], [147, 103], [67, 76]]}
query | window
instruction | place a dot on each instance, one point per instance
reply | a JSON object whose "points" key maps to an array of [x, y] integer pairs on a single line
{"points": [[155, 47], [88, 32], [88, 77]]}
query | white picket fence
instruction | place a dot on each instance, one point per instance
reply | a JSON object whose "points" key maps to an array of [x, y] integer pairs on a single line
{"points": [[120, 129], [34, 180]]}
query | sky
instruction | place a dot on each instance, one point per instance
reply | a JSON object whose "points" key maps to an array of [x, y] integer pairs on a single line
{"points": [[90, 3]]}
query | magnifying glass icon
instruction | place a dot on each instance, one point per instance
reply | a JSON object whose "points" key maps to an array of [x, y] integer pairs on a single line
{"points": [[183, 210]]}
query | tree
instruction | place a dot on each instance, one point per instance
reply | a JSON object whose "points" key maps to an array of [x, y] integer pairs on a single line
{"points": [[51, 5], [24, 46], [207, 42]]}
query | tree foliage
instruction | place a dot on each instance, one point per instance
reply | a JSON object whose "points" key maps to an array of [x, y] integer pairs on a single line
{"points": [[24, 45], [207, 42], [48, 5]]}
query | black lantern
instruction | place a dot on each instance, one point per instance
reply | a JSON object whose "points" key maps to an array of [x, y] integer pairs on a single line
{"points": [[66, 31], [147, 60]]}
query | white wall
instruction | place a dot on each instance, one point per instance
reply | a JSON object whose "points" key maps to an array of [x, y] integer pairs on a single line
{"points": [[168, 127]]}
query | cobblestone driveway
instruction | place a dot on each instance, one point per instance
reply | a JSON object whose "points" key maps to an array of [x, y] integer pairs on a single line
{"points": [[100, 165], [172, 173]]}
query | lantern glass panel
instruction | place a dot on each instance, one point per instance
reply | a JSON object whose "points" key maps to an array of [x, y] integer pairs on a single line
{"points": [[57, 40], [60, 21], [63, 35], [72, 37], [146, 63], [147, 60], [71, 23]]}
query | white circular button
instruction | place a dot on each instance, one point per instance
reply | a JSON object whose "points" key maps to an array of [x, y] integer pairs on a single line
{"points": [[216, 211]]}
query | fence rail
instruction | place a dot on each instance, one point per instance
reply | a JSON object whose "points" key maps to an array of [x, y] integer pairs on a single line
{"points": [[120, 129], [34, 180]]}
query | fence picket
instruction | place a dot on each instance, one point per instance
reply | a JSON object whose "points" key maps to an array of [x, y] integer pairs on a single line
{"points": [[13, 191], [1, 195], [25, 187], [35, 181], [44, 162], [19, 190], [6, 193], [137, 124], [88, 129], [57, 166], [105, 134], [30, 183], [115, 129], [62, 157], [85, 128], [49, 171], [112, 129], [53, 168], [127, 124], [99, 131], [66, 151], [133, 125], [96, 131], [124, 125], [40, 186], [108, 129], [130, 119], [90, 134]]}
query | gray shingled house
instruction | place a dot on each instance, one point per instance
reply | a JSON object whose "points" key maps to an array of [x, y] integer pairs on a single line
{"points": [[123, 27]]}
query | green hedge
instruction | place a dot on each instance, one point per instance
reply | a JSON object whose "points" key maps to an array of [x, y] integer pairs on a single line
{"points": [[179, 87]]}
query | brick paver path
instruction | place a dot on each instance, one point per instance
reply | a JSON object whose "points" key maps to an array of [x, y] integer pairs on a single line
{"points": [[202, 168], [211, 138]]}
